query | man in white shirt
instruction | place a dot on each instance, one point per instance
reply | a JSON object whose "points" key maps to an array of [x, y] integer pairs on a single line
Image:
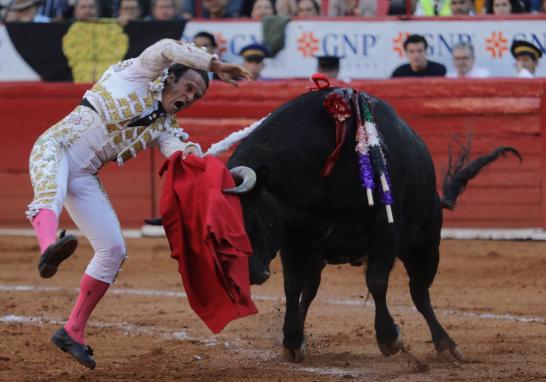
{"points": [[463, 63], [133, 106]]}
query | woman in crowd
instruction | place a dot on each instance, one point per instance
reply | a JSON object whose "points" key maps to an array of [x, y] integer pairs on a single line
{"points": [[504, 7]]}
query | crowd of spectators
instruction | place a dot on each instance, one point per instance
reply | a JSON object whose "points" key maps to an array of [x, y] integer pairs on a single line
{"points": [[415, 47], [126, 10]]}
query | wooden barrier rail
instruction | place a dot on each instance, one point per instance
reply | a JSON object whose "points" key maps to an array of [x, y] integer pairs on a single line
{"points": [[499, 112]]}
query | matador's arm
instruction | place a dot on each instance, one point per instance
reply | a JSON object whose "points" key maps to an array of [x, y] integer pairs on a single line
{"points": [[159, 56]]}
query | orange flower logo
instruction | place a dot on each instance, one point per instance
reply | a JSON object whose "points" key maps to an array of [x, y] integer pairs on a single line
{"points": [[398, 43], [308, 44], [496, 45]]}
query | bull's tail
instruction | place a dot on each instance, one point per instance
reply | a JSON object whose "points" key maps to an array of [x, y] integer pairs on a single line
{"points": [[459, 173]]}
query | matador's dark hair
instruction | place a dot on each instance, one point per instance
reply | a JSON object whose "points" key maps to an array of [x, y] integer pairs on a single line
{"points": [[178, 70]]}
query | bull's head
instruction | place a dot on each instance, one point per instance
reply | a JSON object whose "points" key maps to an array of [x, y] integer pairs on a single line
{"points": [[263, 221]]}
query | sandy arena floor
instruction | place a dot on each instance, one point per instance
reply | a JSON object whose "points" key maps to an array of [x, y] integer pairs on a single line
{"points": [[490, 296]]}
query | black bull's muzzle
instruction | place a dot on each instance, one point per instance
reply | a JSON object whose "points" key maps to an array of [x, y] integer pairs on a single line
{"points": [[258, 278]]}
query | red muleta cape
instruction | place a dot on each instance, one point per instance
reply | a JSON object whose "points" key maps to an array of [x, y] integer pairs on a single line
{"points": [[207, 237]]}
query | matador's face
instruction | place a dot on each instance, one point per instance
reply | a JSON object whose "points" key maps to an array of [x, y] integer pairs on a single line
{"points": [[182, 94]]}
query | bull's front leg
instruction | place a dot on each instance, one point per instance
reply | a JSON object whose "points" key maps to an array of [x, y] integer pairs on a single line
{"points": [[380, 262], [313, 270], [294, 275]]}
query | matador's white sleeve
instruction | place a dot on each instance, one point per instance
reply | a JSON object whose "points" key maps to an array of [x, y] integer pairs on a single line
{"points": [[165, 52], [168, 144]]}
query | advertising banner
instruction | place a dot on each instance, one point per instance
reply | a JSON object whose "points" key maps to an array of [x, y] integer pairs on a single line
{"points": [[12, 66], [78, 51], [373, 49]]}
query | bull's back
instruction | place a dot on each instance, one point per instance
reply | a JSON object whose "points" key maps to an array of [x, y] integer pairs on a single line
{"points": [[294, 142]]}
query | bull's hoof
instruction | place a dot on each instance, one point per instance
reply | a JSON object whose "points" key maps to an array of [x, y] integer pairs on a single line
{"points": [[393, 347], [295, 355], [457, 353], [449, 344]]}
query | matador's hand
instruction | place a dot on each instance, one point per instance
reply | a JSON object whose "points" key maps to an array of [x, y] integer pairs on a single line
{"points": [[191, 149], [230, 73]]}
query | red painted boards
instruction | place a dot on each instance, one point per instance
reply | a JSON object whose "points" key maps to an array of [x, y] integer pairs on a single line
{"points": [[499, 112]]}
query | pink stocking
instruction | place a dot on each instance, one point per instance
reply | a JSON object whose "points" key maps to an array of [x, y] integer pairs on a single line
{"points": [[45, 224], [91, 291]]}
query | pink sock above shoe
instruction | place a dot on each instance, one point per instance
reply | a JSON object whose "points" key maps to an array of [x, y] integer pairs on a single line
{"points": [[45, 225], [91, 292]]}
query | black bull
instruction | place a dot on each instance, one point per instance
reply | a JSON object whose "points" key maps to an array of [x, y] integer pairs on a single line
{"points": [[315, 220]]}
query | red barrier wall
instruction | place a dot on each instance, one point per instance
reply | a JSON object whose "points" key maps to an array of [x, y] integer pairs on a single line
{"points": [[499, 112]]}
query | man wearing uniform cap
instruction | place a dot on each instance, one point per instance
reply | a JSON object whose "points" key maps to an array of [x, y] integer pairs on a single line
{"points": [[328, 65], [527, 56], [253, 56]]}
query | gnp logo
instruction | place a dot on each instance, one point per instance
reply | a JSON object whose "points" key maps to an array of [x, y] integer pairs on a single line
{"points": [[439, 44], [398, 43], [308, 44], [496, 44], [337, 44]]}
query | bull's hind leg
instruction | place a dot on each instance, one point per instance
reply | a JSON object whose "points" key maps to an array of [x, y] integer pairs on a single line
{"points": [[301, 282], [421, 264], [387, 332], [380, 261]]}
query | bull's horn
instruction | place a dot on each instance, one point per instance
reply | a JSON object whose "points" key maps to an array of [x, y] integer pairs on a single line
{"points": [[246, 175]]}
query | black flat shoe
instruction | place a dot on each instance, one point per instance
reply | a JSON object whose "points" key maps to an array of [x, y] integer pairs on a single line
{"points": [[82, 353], [154, 221], [55, 254]]}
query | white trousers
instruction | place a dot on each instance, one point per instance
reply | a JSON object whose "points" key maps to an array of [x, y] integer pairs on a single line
{"points": [[60, 177]]}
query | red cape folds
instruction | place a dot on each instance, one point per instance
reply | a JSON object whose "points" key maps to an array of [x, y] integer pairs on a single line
{"points": [[207, 237]]}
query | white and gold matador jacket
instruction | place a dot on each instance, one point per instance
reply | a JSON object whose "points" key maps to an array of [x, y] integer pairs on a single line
{"points": [[132, 89], [127, 93]]}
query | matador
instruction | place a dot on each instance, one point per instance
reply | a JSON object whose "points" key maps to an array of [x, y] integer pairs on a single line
{"points": [[133, 106]]}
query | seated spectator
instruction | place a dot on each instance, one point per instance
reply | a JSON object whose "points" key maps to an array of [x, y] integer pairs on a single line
{"points": [[26, 11], [253, 56], [527, 56], [287, 8], [462, 8], [503, 7], [229, 8], [433, 8], [338, 8], [307, 8], [261, 9], [398, 7], [86, 9], [162, 10], [217, 9], [463, 63], [53, 9], [328, 65], [129, 10], [415, 48], [205, 40]]}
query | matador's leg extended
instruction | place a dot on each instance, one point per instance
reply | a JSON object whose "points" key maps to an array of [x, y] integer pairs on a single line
{"points": [[48, 167], [92, 212]]}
